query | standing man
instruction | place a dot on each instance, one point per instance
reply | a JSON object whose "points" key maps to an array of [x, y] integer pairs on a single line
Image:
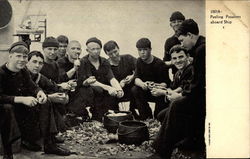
{"points": [[150, 71], [63, 43], [175, 21], [96, 82], [123, 68], [17, 91], [191, 105]]}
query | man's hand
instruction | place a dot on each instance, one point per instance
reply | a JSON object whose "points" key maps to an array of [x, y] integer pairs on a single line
{"points": [[28, 101], [59, 98], [128, 79], [112, 91], [158, 92], [76, 64], [122, 83], [120, 93], [144, 86], [174, 96], [160, 85], [89, 80], [168, 63], [150, 84], [72, 84], [190, 59], [64, 85], [41, 97], [169, 91]]}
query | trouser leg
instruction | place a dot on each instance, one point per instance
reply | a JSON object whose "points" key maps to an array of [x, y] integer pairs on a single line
{"points": [[172, 129], [128, 96], [141, 100], [83, 97], [132, 107], [103, 102], [160, 104], [47, 119], [5, 128], [28, 122], [161, 115]]}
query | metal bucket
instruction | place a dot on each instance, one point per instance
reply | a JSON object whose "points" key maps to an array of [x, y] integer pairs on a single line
{"points": [[111, 123], [132, 132]]}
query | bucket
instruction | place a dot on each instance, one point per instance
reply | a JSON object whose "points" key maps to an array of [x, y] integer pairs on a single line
{"points": [[132, 132], [111, 123]]}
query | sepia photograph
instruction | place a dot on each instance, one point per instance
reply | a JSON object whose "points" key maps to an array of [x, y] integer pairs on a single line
{"points": [[121, 79]]}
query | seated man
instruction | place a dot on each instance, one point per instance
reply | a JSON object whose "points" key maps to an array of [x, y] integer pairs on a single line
{"points": [[55, 95], [96, 83], [123, 68], [51, 69], [17, 91], [150, 70], [182, 78], [69, 64], [184, 125]]}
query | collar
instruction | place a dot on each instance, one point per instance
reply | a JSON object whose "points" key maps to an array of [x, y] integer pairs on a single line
{"points": [[200, 40], [111, 62], [101, 59], [5, 68]]}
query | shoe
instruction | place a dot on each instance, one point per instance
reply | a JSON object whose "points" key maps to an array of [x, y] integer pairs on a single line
{"points": [[58, 139], [191, 144], [54, 149], [5, 156], [86, 118], [30, 146]]}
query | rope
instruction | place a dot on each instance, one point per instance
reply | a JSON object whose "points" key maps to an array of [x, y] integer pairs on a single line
{"points": [[38, 78]]}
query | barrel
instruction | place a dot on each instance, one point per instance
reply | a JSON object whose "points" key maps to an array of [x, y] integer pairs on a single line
{"points": [[132, 132], [111, 123]]}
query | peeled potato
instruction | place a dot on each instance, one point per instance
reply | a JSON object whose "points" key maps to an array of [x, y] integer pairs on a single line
{"points": [[117, 114]]}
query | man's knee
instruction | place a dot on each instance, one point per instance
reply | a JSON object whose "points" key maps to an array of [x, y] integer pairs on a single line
{"points": [[179, 103], [8, 106], [135, 90]]}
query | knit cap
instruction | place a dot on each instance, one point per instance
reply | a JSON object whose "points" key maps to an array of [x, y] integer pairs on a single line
{"points": [[19, 43], [95, 40], [50, 42]]}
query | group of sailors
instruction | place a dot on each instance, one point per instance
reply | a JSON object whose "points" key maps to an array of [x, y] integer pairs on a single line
{"points": [[38, 89]]}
